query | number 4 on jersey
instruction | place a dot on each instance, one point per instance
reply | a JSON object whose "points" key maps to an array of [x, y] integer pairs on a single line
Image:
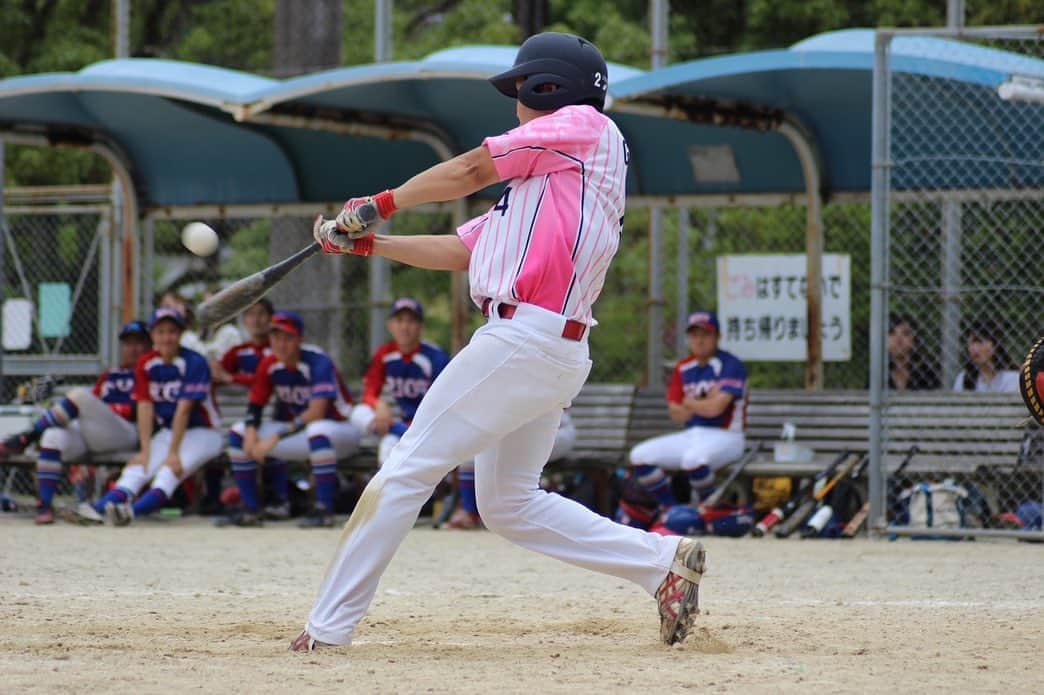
{"points": [[502, 204]]}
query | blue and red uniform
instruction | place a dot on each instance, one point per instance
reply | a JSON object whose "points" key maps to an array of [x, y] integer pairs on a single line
{"points": [[724, 370], [406, 375], [241, 361], [186, 377], [115, 388], [315, 376]]}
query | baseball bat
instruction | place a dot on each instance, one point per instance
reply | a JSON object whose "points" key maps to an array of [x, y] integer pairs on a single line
{"points": [[790, 524], [825, 510], [245, 292], [779, 513], [737, 468], [859, 518]]}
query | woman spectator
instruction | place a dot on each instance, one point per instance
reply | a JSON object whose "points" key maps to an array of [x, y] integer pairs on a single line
{"points": [[989, 367], [907, 366]]}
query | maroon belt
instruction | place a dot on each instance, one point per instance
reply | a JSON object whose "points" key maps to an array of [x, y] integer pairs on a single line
{"points": [[573, 330]]}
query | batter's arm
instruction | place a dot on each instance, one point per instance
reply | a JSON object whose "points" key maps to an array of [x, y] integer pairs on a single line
{"points": [[459, 177], [433, 252]]}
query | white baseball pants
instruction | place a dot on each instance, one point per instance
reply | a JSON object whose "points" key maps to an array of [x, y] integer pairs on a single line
{"points": [[97, 428], [199, 445], [343, 435], [499, 401], [362, 416], [690, 448]]}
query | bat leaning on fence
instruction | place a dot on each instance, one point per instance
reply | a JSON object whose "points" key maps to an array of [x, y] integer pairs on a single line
{"points": [[242, 294], [779, 513], [791, 523], [859, 518], [842, 492]]}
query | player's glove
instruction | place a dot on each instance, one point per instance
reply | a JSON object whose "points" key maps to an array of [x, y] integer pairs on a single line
{"points": [[358, 223], [1031, 381], [334, 242]]}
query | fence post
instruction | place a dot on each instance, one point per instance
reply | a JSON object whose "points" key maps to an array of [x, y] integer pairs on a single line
{"points": [[3, 275], [878, 288], [682, 290]]}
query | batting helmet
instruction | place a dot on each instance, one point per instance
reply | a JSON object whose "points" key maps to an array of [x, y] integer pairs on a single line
{"points": [[683, 520], [571, 63]]}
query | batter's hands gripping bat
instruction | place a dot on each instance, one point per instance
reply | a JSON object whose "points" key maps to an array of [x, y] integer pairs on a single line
{"points": [[242, 294], [859, 518], [779, 513], [737, 468]]}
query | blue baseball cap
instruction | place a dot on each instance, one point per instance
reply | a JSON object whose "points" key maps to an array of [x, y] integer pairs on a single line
{"points": [[167, 314], [288, 322], [134, 328], [407, 304], [703, 319]]}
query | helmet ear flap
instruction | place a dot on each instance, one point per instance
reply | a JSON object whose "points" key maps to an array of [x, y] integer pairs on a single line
{"points": [[544, 101]]}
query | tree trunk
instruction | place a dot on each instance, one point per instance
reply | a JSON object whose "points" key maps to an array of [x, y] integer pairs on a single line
{"points": [[532, 15], [308, 36]]}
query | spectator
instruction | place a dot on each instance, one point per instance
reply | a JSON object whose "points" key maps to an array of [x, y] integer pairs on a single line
{"points": [[907, 368], [707, 394], [989, 367]]}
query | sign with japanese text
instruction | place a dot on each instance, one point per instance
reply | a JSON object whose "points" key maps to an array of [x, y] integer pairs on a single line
{"points": [[762, 307]]}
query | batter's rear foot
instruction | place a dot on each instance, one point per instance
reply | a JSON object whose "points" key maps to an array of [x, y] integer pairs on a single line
{"points": [[678, 595], [306, 643]]}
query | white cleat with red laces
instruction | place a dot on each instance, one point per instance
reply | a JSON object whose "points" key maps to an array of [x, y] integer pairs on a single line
{"points": [[306, 643], [678, 595]]}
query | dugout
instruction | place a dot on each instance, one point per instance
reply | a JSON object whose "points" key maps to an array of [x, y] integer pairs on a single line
{"points": [[789, 127]]}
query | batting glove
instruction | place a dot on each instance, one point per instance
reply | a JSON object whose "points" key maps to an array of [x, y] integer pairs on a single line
{"points": [[358, 223], [334, 242]]}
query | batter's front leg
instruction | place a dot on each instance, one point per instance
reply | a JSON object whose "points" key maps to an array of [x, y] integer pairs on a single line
{"points": [[385, 513]]}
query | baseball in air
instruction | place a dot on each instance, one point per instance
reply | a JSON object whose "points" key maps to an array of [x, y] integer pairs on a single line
{"points": [[199, 238]]}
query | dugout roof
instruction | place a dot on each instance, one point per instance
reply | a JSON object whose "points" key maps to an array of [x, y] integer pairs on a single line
{"points": [[193, 134]]}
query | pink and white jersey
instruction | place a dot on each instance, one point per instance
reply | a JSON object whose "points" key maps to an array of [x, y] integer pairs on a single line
{"points": [[549, 239]]}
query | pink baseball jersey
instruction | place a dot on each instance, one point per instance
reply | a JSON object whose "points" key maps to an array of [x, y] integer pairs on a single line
{"points": [[549, 239]]}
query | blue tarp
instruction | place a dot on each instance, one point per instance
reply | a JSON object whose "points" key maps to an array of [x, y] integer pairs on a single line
{"points": [[187, 136]]}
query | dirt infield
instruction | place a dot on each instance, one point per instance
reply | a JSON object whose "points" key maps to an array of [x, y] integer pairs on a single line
{"points": [[177, 606]]}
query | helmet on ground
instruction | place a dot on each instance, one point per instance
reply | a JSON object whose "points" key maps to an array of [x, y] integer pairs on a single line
{"points": [[683, 520], [574, 65]]}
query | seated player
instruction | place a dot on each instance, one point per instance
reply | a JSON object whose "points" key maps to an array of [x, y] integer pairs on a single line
{"points": [[96, 420], [309, 424], [239, 364], [176, 425], [466, 516], [405, 366], [707, 393]]}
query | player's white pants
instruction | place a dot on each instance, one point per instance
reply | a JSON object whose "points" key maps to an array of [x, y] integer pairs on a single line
{"points": [[362, 416], [499, 401], [343, 436], [199, 445], [565, 438], [97, 428], [690, 448]]}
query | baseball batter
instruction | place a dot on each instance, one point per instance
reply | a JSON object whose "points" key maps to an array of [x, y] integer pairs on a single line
{"points": [[707, 395], [309, 424], [536, 263], [405, 368], [85, 420], [176, 425]]}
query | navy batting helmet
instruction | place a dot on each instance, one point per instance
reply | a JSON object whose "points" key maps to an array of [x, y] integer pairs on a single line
{"points": [[572, 64]]}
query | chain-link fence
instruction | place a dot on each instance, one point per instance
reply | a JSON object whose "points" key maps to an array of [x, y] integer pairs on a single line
{"points": [[962, 174]]}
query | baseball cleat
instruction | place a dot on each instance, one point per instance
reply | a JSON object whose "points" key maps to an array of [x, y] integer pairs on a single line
{"points": [[278, 512], [243, 519], [306, 643], [678, 594], [84, 514], [118, 513], [44, 516]]}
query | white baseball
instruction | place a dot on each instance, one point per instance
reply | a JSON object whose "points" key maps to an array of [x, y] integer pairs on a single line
{"points": [[199, 238]]}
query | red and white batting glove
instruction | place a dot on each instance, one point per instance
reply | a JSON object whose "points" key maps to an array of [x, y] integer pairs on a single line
{"points": [[334, 242], [354, 224]]}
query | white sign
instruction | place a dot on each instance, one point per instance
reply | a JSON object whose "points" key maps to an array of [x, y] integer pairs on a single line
{"points": [[762, 307]]}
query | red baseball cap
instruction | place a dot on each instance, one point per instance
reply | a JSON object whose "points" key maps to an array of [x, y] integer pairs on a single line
{"points": [[288, 322]]}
